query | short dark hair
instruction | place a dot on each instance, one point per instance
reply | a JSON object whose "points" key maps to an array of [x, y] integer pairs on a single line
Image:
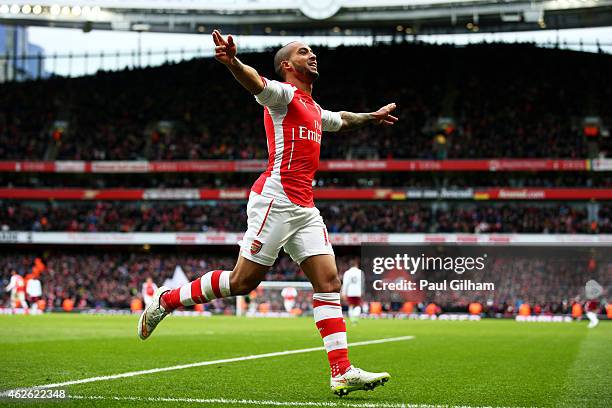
{"points": [[282, 55]]}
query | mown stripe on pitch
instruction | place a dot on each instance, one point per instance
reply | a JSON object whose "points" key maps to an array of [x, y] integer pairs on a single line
{"points": [[205, 363]]}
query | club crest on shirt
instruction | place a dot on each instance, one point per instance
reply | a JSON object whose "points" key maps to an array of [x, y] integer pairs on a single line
{"points": [[256, 247]]}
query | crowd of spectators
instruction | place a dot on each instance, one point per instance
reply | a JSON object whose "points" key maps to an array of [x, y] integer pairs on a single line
{"points": [[345, 217], [462, 218], [551, 279], [195, 110], [122, 217]]}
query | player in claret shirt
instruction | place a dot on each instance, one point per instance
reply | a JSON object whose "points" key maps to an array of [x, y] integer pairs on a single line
{"points": [[591, 308], [352, 290], [281, 211]]}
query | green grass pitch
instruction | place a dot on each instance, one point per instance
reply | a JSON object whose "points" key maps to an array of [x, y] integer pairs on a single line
{"points": [[472, 364]]}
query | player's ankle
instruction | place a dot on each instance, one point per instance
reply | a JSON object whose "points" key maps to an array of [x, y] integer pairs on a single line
{"points": [[164, 304]]}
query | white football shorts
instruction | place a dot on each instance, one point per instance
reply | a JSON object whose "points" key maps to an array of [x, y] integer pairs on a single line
{"points": [[275, 224]]}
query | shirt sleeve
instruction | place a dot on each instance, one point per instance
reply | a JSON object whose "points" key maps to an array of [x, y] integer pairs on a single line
{"points": [[330, 121], [275, 93], [11, 284]]}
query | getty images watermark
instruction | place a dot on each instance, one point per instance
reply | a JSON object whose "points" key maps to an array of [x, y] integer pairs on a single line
{"points": [[432, 264], [415, 269]]}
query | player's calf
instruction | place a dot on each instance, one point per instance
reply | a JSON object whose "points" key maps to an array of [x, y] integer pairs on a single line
{"points": [[213, 285]]}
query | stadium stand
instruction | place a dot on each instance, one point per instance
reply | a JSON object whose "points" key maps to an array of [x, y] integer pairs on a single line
{"points": [[73, 157], [165, 113], [339, 217], [323, 179], [106, 279]]}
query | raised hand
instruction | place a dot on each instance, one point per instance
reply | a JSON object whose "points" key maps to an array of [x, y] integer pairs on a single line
{"points": [[225, 50], [383, 115]]}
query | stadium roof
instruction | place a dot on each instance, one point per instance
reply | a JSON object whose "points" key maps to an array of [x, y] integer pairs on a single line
{"points": [[311, 17]]}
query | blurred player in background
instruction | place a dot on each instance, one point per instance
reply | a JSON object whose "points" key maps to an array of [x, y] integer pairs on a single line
{"points": [[18, 291], [289, 294], [281, 211], [352, 290], [148, 291], [34, 291], [591, 308], [593, 290]]}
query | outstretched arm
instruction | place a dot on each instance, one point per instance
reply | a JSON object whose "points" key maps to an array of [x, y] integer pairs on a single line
{"points": [[225, 53], [382, 116]]}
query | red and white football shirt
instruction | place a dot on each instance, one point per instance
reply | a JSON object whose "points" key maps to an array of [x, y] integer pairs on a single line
{"points": [[148, 289], [289, 294], [16, 284], [294, 125]]}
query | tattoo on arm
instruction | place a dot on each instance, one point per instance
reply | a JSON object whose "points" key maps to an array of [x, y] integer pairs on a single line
{"points": [[352, 120]]}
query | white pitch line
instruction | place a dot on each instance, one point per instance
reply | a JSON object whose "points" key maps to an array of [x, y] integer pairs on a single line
{"points": [[273, 403], [206, 363]]}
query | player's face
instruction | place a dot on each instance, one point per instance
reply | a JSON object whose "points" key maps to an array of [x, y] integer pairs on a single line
{"points": [[304, 61]]}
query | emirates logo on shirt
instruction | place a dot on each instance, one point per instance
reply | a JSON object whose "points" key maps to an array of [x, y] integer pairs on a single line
{"points": [[256, 247], [307, 134]]}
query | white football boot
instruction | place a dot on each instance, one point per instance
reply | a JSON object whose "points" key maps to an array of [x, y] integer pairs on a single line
{"points": [[152, 315], [357, 379]]}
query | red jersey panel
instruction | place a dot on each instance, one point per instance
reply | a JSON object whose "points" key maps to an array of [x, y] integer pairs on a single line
{"points": [[20, 284], [294, 125]]}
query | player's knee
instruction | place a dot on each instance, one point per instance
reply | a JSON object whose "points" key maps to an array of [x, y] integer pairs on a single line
{"points": [[336, 284], [330, 285]]}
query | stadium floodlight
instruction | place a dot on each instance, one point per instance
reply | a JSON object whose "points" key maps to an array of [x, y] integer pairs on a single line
{"points": [[4, 9], [26, 9], [76, 11], [55, 10], [15, 9], [37, 9], [66, 10]]}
